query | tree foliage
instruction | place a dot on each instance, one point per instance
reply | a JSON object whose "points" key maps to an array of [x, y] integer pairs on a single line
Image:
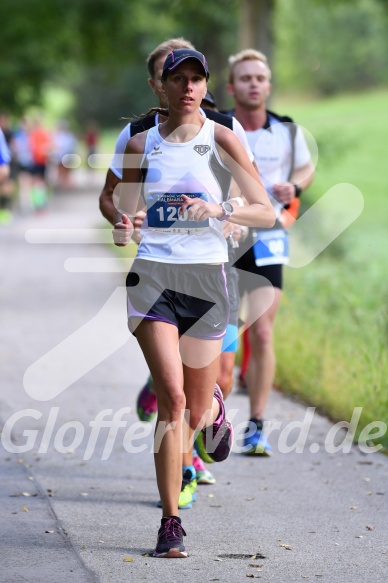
{"points": [[45, 41], [97, 48], [327, 47]]}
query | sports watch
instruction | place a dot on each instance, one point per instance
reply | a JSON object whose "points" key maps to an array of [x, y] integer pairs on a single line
{"points": [[228, 209], [298, 190]]}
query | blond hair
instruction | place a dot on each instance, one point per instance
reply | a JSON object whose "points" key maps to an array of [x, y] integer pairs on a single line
{"points": [[165, 48], [247, 55]]}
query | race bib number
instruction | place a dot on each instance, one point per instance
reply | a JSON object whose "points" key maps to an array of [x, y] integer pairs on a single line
{"points": [[163, 213], [270, 247]]}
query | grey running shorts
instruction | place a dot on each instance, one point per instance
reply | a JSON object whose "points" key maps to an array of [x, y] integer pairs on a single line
{"points": [[192, 297]]}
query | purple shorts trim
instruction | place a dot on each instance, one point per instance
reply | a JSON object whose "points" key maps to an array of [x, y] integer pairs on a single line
{"points": [[132, 313]]}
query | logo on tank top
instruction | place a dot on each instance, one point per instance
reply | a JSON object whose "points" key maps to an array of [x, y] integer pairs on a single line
{"points": [[201, 150], [156, 151]]}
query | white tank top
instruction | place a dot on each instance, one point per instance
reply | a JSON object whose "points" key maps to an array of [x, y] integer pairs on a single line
{"points": [[172, 169]]}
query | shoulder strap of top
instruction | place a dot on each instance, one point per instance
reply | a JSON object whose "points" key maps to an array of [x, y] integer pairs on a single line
{"points": [[292, 130], [220, 118], [143, 124]]}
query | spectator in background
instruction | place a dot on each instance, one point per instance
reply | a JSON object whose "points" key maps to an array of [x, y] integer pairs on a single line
{"points": [[64, 144], [41, 148], [7, 182], [5, 157], [23, 159], [91, 138]]}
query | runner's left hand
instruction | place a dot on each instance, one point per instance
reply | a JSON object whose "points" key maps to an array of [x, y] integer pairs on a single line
{"points": [[199, 210]]}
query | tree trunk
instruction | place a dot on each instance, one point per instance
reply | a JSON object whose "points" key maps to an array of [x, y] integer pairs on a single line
{"points": [[256, 26]]}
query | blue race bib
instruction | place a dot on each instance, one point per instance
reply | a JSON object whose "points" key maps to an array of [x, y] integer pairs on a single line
{"points": [[270, 247], [163, 213]]}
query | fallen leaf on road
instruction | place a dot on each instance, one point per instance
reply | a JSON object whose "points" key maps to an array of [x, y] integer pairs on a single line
{"points": [[49, 531], [288, 547], [257, 565], [128, 560], [368, 527], [24, 508], [353, 507], [249, 499]]}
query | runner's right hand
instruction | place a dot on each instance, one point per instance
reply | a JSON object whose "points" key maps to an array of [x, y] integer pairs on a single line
{"points": [[122, 231]]}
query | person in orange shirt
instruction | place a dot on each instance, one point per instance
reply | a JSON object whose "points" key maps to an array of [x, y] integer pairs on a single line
{"points": [[40, 146]]}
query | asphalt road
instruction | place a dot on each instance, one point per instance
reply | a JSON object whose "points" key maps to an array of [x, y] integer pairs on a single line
{"points": [[78, 499]]}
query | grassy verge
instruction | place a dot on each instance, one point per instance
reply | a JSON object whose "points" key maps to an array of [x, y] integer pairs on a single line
{"points": [[332, 327]]}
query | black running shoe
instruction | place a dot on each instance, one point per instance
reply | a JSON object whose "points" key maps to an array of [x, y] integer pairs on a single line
{"points": [[170, 539]]}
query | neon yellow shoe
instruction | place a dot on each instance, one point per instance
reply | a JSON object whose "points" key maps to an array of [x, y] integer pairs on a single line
{"points": [[187, 495]]}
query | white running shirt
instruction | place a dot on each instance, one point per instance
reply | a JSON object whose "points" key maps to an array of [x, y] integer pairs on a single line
{"points": [[174, 169]]}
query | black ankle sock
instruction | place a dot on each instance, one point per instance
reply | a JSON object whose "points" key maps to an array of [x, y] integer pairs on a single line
{"points": [[258, 422]]}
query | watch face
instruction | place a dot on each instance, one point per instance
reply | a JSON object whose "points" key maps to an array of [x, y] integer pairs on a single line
{"points": [[228, 207]]}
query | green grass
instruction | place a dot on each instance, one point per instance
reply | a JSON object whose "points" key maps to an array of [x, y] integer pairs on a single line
{"points": [[332, 326]]}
